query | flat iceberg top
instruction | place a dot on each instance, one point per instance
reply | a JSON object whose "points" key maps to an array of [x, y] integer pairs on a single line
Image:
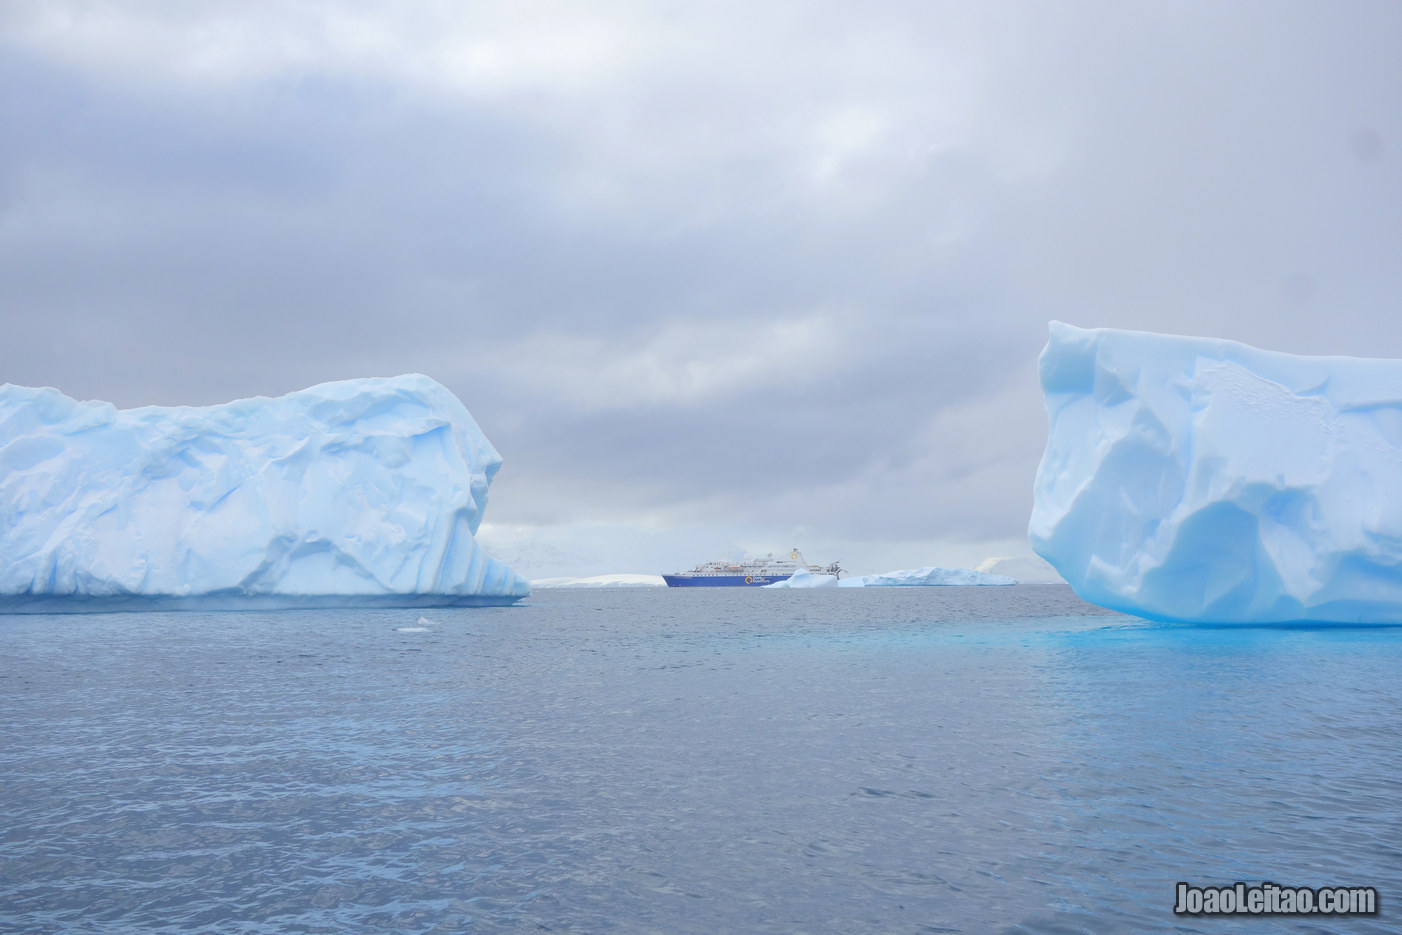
{"points": [[1204, 480], [358, 491]]}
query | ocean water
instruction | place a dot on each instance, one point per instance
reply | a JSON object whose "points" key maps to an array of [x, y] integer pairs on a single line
{"points": [[690, 761]]}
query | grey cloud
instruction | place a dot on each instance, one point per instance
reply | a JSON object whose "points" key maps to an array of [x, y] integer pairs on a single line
{"points": [[938, 180]]}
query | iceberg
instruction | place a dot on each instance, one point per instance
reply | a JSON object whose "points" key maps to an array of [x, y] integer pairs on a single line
{"points": [[1194, 479], [359, 492], [928, 577], [803, 578]]}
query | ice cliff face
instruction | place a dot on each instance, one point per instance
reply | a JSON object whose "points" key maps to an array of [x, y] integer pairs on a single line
{"points": [[355, 492], [1204, 480]]}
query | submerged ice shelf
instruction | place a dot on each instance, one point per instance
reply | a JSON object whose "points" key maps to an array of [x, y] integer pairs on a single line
{"points": [[364, 492], [1204, 480]]}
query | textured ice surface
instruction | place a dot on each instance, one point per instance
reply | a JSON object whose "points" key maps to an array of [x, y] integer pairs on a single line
{"points": [[919, 577], [803, 578], [355, 492], [1204, 480]]}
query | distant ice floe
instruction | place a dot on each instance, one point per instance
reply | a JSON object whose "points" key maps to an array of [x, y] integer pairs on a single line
{"points": [[360, 492], [928, 577], [602, 581], [803, 578], [1196, 479], [1028, 569], [913, 577]]}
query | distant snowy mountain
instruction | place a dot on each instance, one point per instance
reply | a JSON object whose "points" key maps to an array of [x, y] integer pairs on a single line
{"points": [[602, 581], [1033, 569], [911, 577], [803, 578], [928, 577]]}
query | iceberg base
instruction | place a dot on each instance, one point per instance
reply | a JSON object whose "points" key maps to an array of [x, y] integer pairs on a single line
{"points": [[142, 603]]}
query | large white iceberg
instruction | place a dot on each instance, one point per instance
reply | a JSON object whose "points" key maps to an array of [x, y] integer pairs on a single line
{"points": [[928, 577], [360, 492], [1204, 480], [907, 578]]}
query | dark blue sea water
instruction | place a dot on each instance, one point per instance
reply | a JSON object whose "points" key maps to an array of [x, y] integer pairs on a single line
{"points": [[689, 761]]}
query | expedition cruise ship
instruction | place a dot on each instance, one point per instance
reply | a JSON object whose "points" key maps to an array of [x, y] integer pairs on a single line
{"points": [[753, 573]]}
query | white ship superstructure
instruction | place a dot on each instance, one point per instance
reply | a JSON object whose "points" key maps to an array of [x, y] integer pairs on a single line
{"points": [[747, 573]]}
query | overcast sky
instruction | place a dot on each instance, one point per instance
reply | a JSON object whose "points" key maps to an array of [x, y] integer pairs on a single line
{"points": [[711, 276]]}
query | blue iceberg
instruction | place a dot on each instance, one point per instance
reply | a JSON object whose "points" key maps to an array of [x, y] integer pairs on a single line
{"points": [[1203, 480], [360, 492]]}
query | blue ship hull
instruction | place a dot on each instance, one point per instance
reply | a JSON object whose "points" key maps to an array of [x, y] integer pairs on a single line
{"points": [[721, 581]]}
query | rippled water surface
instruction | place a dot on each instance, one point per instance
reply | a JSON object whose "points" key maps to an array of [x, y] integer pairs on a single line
{"points": [[679, 761]]}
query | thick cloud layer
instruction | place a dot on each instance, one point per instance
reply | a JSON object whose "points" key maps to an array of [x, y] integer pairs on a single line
{"points": [[708, 276]]}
